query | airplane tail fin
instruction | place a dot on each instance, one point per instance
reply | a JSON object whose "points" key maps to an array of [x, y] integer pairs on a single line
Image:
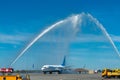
{"points": [[64, 61]]}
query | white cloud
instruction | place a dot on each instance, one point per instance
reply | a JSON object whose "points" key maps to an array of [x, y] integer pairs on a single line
{"points": [[115, 38], [14, 39], [81, 38], [90, 38], [104, 46]]}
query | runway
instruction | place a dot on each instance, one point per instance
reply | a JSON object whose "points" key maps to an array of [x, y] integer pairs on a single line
{"points": [[67, 77]]}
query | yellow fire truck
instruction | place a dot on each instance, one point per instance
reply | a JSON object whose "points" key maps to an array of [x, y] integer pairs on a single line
{"points": [[14, 77], [109, 73]]}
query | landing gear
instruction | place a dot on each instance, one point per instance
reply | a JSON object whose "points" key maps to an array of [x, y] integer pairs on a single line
{"points": [[50, 72], [59, 72], [44, 72]]}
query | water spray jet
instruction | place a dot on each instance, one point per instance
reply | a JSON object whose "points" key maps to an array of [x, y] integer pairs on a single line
{"points": [[75, 20], [105, 33], [38, 37]]}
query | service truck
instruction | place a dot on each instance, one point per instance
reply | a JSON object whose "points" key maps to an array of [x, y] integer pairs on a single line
{"points": [[111, 73]]}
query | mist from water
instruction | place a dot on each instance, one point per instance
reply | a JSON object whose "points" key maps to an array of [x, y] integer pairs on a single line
{"points": [[75, 20], [38, 37]]}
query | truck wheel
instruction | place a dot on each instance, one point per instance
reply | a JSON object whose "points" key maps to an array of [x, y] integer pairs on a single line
{"points": [[119, 77], [116, 77], [105, 77]]}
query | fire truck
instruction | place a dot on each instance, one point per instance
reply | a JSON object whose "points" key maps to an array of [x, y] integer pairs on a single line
{"points": [[7, 75], [6, 70], [111, 73]]}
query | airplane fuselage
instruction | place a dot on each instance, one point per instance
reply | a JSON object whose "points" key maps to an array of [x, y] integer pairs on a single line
{"points": [[52, 68]]}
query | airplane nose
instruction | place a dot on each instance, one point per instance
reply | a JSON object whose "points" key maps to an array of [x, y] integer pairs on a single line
{"points": [[43, 68]]}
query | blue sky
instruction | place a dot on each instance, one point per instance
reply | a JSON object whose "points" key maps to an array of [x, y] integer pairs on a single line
{"points": [[22, 20]]}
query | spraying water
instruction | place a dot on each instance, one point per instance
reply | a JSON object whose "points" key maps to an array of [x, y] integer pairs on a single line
{"points": [[39, 36], [105, 33], [75, 20]]}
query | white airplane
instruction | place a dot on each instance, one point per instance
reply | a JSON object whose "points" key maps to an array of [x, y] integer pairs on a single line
{"points": [[54, 68]]}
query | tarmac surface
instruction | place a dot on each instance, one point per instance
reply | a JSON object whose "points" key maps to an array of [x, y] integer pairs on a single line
{"points": [[68, 77]]}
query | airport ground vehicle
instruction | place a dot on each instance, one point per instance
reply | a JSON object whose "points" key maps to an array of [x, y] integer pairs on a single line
{"points": [[14, 77], [6, 70], [10, 77], [7, 75], [111, 73]]}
